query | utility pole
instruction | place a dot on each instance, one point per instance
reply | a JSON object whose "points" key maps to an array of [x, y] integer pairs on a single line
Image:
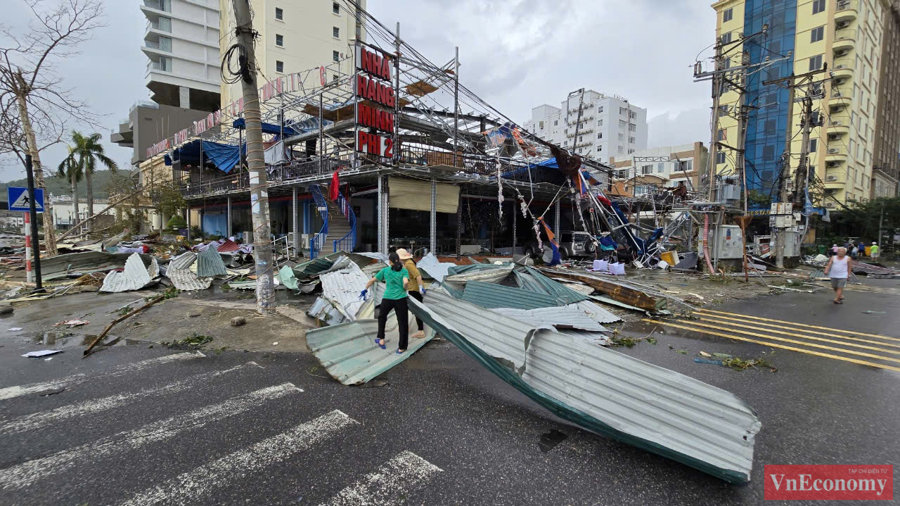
{"points": [[717, 80], [259, 197], [36, 246], [801, 180]]}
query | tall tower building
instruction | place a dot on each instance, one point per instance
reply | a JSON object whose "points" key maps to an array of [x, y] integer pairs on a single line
{"points": [[886, 172], [799, 36]]}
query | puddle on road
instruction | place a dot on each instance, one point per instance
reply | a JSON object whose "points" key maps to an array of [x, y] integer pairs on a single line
{"points": [[551, 439]]}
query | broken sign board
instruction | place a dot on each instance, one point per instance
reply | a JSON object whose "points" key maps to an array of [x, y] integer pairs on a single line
{"points": [[605, 391]]}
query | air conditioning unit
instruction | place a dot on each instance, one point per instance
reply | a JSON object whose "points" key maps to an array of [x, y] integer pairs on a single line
{"points": [[843, 52], [829, 205], [839, 67], [833, 151], [843, 24], [836, 123], [831, 178]]}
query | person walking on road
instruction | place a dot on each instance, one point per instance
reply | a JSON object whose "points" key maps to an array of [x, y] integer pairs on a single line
{"points": [[838, 269], [416, 288], [874, 251], [394, 299]]}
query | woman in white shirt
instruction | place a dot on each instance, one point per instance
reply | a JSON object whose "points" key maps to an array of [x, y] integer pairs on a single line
{"points": [[839, 269]]}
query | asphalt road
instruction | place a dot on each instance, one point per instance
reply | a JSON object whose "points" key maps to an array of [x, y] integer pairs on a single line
{"points": [[132, 425]]}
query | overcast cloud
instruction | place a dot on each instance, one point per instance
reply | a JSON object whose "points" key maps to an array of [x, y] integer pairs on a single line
{"points": [[515, 54]]}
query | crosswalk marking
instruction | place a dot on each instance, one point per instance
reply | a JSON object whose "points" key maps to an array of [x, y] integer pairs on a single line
{"points": [[189, 487], [767, 326], [800, 336], [878, 336], [46, 386], [39, 420], [779, 346], [27, 473], [390, 485]]}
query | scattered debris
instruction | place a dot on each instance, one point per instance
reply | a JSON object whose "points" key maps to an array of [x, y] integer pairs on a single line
{"points": [[193, 342], [169, 293], [72, 323], [41, 353], [6, 309], [237, 321]]}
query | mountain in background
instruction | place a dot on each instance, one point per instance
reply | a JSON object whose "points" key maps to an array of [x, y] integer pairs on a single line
{"points": [[57, 186]]}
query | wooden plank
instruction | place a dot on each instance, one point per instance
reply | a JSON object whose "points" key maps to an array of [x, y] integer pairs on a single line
{"points": [[614, 289]]}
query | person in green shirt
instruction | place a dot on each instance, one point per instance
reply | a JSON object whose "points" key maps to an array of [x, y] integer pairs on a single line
{"points": [[874, 251], [416, 288], [396, 279]]}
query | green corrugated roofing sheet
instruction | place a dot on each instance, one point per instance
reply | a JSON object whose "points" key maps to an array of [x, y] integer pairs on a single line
{"points": [[558, 290], [492, 295], [209, 263], [527, 282]]}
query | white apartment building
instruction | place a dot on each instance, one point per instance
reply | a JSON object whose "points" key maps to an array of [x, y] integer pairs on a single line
{"points": [[610, 126], [181, 43], [672, 164], [294, 36]]}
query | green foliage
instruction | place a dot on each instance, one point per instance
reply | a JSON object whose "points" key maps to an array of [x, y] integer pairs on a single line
{"points": [[168, 198], [193, 342], [741, 364], [862, 219], [196, 232], [758, 198], [176, 222]]}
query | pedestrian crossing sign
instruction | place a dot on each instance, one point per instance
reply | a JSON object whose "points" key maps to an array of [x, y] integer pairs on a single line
{"points": [[18, 199]]}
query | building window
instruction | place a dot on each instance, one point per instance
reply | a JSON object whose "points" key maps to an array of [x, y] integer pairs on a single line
{"points": [[599, 148], [621, 150], [336, 32], [726, 38], [335, 56], [541, 123], [817, 34], [646, 170], [813, 145], [600, 135], [279, 66], [622, 123], [600, 109], [632, 115], [818, 6], [727, 15], [335, 7], [622, 110], [660, 168], [631, 140], [556, 122], [279, 40], [770, 127], [768, 153], [723, 110], [722, 135], [815, 63], [686, 165], [165, 44], [632, 127], [279, 13], [720, 157], [630, 151], [600, 122], [335, 78], [164, 24]]}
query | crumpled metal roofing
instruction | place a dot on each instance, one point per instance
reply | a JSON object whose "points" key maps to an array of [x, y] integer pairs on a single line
{"points": [[558, 317], [604, 391], [133, 277], [435, 270], [491, 295], [228, 246], [349, 353], [187, 281], [77, 264], [556, 289], [595, 312], [326, 311], [209, 264], [287, 278], [343, 287], [183, 261]]}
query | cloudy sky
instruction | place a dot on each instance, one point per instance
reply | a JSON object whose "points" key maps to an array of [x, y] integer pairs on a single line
{"points": [[515, 54]]}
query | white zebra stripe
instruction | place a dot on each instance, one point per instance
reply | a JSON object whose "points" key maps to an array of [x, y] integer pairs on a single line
{"points": [[39, 420], [27, 473], [46, 386], [391, 485], [189, 487]]}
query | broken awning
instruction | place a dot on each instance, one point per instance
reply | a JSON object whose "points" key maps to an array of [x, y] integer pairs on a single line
{"points": [[267, 128], [224, 156], [605, 391]]}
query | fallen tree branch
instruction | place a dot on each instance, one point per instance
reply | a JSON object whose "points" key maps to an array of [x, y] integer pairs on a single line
{"points": [[119, 320]]}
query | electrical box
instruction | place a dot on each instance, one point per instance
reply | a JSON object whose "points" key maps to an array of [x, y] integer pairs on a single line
{"points": [[725, 243], [730, 193], [792, 244]]}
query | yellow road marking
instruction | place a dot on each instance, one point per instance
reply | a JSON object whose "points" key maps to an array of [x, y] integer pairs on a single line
{"points": [[800, 324], [719, 319], [860, 353], [779, 346], [804, 336]]}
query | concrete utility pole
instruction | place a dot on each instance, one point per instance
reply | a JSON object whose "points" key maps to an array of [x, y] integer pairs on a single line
{"points": [[717, 81], [259, 197], [801, 182]]}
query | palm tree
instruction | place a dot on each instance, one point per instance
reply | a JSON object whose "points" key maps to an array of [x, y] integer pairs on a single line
{"points": [[71, 170], [89, 151]]}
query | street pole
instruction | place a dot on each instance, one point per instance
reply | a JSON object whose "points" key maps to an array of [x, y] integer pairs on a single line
{"points": [[785, 179], [717, 80], [802, 176], [456, 107], [36, 246], [259, 197]]}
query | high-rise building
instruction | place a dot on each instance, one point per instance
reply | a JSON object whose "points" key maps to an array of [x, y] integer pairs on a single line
{"points": [[886, 172], [295, 36], [796, 37], [181, 43], [610, 126]]}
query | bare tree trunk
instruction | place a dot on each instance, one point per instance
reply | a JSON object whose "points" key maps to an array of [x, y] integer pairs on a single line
{"points": [[88, 181], [38, 167], [74, 184]]}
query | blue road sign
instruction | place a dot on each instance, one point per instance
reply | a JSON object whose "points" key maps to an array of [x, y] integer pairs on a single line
{"points": [[18, 199]]}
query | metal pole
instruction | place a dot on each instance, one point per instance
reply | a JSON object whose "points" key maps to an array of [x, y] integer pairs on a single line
{"points": [[259, 196], [26, 229], [386, 235], [432, 243], [556, 213], [230, 227], [397, 95], [713, 146], [379, 208], [459, 213], [456, 107], [515, 220], [295, 221], [36, 245], [187, 220]]}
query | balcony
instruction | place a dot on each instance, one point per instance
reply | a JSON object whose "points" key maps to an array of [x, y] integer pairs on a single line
{"points": [[843, 69], [844, 40], [847, 10], [837, 152], [835, 179]]}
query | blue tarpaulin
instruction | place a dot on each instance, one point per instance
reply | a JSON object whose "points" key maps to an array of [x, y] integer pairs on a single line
{"points": [[267, 128], [224, 156]]}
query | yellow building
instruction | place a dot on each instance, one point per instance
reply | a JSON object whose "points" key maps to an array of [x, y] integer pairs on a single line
{"points": [[802, 36]]}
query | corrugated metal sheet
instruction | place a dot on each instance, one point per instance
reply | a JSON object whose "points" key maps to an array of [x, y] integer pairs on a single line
{"points": [[491, 274], [228, 246], [287, 278], [558, 290], [527, 282], [597, 338], [349, 353], [491, 295], [595, 312], [153, 270], [209, 264], [133, 277], [187, 281], [579, 288], [371, 269], [183, 261], [604, 391], [435, 270], [324, 310], [77, 264], [343, 287], [558, 317]]}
